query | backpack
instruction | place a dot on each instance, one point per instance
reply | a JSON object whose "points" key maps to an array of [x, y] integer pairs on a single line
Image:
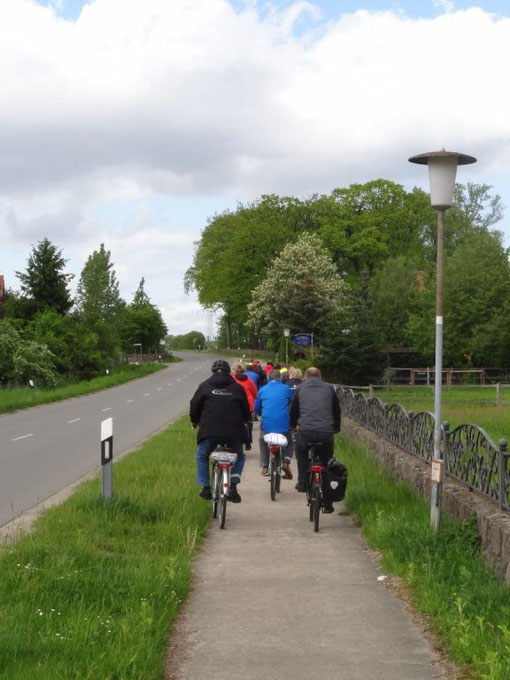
{"points": [[335, 481]]}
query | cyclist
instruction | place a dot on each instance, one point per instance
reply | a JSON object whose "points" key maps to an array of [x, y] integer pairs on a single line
{"points": [[273, 404], [241, 378], [220, 410], [315, 410], [295, 378]]}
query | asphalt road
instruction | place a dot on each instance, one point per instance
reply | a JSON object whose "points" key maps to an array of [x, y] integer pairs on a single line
{"points": [[46, 448]]}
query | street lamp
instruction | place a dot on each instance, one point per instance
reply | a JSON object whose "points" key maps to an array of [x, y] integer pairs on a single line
{"points": [[442, 171], [286, 332]]}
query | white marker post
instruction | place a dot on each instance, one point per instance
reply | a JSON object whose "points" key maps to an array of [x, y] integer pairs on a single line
{"points": [[107, 457]]}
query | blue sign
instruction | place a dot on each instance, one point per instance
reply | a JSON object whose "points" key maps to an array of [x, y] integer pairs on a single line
{"points": [[303, 339]]}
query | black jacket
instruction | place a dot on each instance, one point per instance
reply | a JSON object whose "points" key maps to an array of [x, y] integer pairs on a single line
{"points": [[315, 407], [220, 408]]}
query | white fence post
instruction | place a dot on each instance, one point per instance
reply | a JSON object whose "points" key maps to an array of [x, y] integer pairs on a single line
{"points": [[107, 457]]}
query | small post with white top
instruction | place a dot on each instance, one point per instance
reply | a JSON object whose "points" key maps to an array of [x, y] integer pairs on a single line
{"points": [[107, 457]]}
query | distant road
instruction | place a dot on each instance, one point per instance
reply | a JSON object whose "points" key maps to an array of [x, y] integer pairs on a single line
{"points": [[46, 448]]}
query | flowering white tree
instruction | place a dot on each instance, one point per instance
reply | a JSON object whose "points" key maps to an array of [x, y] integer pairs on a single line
{"points": [[301, 291]]}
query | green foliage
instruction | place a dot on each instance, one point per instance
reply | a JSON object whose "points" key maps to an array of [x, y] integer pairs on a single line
{"points": [[141, 322], [350, 348], [17, 398], [393, 291], [24, 360], [477, 286], [365, 224], [72, 342], [191, 340], [44, 283]]}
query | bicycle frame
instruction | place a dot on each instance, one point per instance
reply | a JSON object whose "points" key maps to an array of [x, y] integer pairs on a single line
{"points": [[222, 464]]}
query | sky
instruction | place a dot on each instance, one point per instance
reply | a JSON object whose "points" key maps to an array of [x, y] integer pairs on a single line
{"points": [[132, 122]]}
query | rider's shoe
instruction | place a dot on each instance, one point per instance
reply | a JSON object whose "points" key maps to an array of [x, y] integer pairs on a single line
{"points": [[300, 487], [328, 509], [247, 447], [206, 493], [263, 472], [233, 495], [287, 473]]}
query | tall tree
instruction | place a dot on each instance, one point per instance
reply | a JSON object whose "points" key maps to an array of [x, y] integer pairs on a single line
{"points": [[142, 323], [99, 304], [477, 290], [301, 290], [44, 283], [97, 296]]}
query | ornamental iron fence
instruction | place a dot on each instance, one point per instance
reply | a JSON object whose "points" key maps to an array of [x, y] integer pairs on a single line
{"points": [[469, 454]]}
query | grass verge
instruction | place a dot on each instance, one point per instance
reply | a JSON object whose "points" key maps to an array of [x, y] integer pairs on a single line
{"points": [[465, 605], [460, 405], [93, 590], [23, 397]]}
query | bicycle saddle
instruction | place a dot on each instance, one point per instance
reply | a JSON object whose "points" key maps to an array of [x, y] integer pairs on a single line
{"points": [[275, 439]]}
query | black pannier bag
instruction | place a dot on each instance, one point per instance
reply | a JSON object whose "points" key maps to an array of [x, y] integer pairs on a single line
{"points": [[335, 481]]}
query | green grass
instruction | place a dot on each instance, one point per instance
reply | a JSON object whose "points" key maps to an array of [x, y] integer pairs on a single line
{"points": [[460, 405], [92, 592], [23, 397], [465, 605]]}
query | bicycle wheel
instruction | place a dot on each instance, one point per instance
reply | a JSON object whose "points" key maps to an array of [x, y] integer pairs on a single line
{"points": [[224, 487], [278, 466], [273, 480], [309, 498], [222, 516], [215, 490], [316, 505]]}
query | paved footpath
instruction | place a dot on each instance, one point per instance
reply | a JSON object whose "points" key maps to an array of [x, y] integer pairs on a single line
{"points": [[272, 600]]}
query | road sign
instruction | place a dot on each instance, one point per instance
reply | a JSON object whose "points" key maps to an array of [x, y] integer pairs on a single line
{"points": [[437, 471], [303, 339]]}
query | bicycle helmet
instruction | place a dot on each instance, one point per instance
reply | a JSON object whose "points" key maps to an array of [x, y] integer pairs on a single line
{"points": [[220, 365]]}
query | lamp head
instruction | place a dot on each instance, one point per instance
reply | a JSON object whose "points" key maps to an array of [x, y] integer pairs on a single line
{"points": [[442, 172]]}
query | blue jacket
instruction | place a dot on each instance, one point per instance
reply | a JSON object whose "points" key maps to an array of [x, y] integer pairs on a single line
{"points": [[273, 404]]}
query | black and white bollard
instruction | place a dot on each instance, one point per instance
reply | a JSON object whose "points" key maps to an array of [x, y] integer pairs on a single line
{"points": [[107, 457]]}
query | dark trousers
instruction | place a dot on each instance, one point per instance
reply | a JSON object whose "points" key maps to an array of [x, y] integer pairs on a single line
{"points": [[325, 452]]}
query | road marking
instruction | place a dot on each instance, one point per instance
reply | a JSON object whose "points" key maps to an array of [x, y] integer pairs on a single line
{"points": [[23, 437], [129, 401], [107, 409], [178, 380], [159, 389], [170, 384], [146, 394], [73, 421]]}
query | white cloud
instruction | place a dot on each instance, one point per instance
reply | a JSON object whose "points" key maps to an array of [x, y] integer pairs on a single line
{"points": [[185, 98]]}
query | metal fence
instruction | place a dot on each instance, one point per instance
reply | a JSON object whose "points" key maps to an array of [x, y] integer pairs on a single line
{"points": [[469, 454]]}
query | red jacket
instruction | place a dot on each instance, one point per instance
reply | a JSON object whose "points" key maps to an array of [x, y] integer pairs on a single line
{"points": [[249, 387]]}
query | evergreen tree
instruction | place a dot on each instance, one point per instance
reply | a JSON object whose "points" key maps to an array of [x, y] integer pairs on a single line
{"points": [[44, 283]]}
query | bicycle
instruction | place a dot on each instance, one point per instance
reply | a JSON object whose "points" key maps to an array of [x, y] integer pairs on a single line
{"points": [[276, 443], [223, 460], [315, 491]]}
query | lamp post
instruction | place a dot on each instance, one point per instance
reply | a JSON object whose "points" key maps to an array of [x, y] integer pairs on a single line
{"points": [[442, 171], [286, 332]]}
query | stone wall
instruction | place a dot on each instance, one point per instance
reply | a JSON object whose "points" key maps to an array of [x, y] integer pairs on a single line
{"points": [[493, 525]]}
